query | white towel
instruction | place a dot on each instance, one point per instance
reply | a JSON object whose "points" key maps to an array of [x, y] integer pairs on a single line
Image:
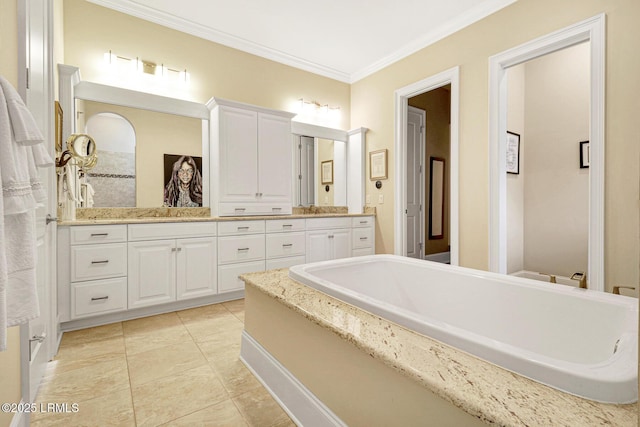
{"points": [[21, 152]]}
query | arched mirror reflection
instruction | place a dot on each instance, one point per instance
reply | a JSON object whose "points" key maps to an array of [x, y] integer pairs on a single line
{"points": [[114, 178]]}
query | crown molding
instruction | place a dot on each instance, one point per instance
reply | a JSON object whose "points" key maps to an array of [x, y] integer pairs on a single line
{"points": [[161, 18], [198, 30], [464, 20]]}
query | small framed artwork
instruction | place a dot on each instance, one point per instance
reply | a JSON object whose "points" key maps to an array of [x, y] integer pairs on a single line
{"points": [[584, 154], [513, 153], [436, 198], [378, 165], [58, 126], [327, 172]]}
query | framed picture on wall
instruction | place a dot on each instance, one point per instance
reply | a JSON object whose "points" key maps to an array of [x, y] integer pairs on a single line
{"points": [[58, 125], [378, 165], [327, 172], [183, 181], [584, 154], [513, 153]]}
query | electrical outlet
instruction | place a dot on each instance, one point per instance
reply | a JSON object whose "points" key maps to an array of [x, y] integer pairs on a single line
{"points": [[381, 199]]}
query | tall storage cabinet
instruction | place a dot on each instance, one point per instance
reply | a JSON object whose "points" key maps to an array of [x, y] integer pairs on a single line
{"points": [[251, 160]]}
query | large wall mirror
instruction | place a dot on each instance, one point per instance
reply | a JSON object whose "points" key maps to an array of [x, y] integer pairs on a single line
{"points": [[140, 137], [313, 147]]}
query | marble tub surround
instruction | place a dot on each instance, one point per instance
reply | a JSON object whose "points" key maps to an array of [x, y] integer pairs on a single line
{"points": [[483, 390]]}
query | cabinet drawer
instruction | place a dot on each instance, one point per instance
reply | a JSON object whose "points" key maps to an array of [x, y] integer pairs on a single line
{"points": [[233, 249], [285, 244], [98, 297], [228, 279], [363, 221], [284, 225], [85, 235], [324, 223], [171, 230], [273, 264], [240, 227], [362, 238], [257, 208], [89, 262], [363, 252]]}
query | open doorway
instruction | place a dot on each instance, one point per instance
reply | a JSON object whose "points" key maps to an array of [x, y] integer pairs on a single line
{"points": [[444, 191], [428, 158]]}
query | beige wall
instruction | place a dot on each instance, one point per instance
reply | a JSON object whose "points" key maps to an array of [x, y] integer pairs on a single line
{"points": [[556, 189], [437, 105], [9, 359], [216, 70], [372, 101]]}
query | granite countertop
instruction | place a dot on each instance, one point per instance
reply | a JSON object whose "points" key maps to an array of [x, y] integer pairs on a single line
{"points": [[101, 216], [486, 391]]}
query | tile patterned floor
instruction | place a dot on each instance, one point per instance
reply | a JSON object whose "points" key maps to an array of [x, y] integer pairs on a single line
{"points": [[174, 369]]}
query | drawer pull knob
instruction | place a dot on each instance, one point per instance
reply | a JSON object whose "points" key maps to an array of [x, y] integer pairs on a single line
{"points": [[99, 234], [276, 209], [287, 225], [287, 245], [100, 298], [243, 228], [364, 222], [100, 262], [363, 238], [331, 236], [240, 209], [243, 249]]}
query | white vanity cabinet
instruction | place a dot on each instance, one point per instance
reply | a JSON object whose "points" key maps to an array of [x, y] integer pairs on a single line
{"points": [[363, 236], [241, 249], [92, 270], [285, 243], [169, 262], [251, 160], [328, 238]]}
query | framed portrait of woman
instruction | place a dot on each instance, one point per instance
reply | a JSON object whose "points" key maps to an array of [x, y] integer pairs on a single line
{"points": [[182, 181]]}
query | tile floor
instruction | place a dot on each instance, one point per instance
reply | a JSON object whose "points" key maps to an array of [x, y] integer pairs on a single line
{"points": [[174, 369]]}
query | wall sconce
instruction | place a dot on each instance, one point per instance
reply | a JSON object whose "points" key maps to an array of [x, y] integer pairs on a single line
{"points": [[315, 112]]}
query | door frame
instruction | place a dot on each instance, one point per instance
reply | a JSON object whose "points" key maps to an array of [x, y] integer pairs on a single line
{"points": [[590, 30], [402, 95]]}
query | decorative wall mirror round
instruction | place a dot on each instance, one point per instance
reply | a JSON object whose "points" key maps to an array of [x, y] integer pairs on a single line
{"points": [[82, 148]]}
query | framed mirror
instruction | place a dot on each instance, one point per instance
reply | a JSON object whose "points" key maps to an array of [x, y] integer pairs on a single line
{"points": [[133, 131]]}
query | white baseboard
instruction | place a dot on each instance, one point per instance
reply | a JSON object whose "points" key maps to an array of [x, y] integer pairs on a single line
{"points": [[304, 408]]}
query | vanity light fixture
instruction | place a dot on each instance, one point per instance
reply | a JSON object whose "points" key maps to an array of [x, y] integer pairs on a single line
{"points": [[147, 67]]}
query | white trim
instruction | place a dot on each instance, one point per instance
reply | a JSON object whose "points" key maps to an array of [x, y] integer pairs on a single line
{"points": [[593, 30], [450, 76], [356, 170], [19, 419], [307, 129], [304, 408], [471, 16]]}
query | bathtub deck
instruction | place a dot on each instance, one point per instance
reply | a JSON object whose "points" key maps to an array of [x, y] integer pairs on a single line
{"points": [[483, 390]]}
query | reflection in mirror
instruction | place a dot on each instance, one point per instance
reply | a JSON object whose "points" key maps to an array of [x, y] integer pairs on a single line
{"points": [[311, 153], [132, 143]]}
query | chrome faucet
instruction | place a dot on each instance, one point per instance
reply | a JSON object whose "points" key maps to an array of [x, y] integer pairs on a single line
{"points": [[552, 277], [581, 276]]}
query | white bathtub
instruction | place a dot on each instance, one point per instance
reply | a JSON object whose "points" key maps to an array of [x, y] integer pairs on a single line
{"points": [[575, 340]]}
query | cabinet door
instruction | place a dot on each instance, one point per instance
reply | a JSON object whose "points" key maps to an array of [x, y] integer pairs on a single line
{"points": [[196, 267], [238, 154], [274, 158], [152, 272], [317, 246], [340, 244]]}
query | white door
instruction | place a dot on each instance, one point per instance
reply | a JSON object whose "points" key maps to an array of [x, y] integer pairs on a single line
{"points": [[152, 272], [39, 336], [196, 268], [238, 154], [274, 158], [414, 210], [317, 246]]}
